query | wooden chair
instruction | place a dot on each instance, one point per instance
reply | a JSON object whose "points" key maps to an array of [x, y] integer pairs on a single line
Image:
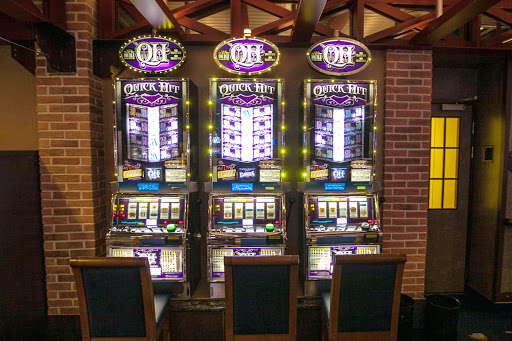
{"points": [[261, 298], [364, 301], [116, 300]]}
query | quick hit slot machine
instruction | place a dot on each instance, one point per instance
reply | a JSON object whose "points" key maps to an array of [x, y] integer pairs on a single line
{"points": [[340, 196], [246, 193], [154, 199]]}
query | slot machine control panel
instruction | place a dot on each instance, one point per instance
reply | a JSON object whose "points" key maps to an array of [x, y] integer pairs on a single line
{"points": [[246, 215], [143, 215], [336, 213]]}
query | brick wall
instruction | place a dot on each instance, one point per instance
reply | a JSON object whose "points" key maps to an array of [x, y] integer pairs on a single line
{"points": [[408, 89], [73, 190]]}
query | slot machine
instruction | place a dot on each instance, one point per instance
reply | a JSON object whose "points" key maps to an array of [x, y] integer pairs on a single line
{"points": [[246, 214], [154, 199], [341, 207]]}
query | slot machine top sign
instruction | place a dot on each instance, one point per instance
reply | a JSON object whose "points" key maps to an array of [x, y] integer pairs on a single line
{"points": [[152, 54], [246, 55], [339, 56]]}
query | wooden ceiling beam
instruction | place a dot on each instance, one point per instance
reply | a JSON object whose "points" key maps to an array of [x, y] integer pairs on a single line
{"points": [[124, 32], [389, 11], [455, 16], [132, 11], [507, 4], [414, 3], [400, 28], [269, 7], [158, 15], [500, 14], [193, 7], [474, 30], [306, 18], [278, 25], [55, 10], [107, 18], [236, 18], [22, 10], [202, 28], [357, 31], [333, 6], [498, 40]]}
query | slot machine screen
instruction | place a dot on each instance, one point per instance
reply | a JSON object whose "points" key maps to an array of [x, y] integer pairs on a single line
{"points": [[246, 138], [346, 211], [246, 133], [151, 139], [164, 263], [339, 131], [320, 262], [165, 211], [217, 254], [249, 212]]}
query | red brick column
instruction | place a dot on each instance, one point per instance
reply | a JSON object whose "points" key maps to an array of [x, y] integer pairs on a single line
{"points": [[73, 190], [408, 89]]}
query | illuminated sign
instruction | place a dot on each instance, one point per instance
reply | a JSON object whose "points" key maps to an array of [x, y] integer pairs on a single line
{"points": [[148, 187], [154, 174], [320, 173], [246, 55], [152, 54], [245, 187], [230, 173], [334, 186], [339, 56], [133, 173], [361, 175], [247, 174], [338, 174], [270, 175], [226, 172]]}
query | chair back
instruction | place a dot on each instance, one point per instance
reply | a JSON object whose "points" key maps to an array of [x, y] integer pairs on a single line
{"points": [[115, 297], [261, 297], [365, 297]]}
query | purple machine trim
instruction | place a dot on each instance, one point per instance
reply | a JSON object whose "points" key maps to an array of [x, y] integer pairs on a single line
{"points": [[246, 55], [339, 56], [152, 54]]}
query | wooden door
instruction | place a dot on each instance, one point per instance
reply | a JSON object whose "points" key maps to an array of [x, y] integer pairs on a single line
{"points": [[450, 155]]}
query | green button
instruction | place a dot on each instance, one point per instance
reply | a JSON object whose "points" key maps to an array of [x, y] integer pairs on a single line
{"points": [[269, 227], [171, 227]]}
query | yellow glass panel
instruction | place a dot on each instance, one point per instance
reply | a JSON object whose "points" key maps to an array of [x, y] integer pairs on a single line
{"points": [[452, 132], [437, 133], [435, 194], [451, 163], [450, 194], [436, 163]]}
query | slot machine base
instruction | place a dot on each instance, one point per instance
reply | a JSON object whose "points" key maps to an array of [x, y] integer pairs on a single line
{"points": [[315, 288], [217, 290], [177, 290]]}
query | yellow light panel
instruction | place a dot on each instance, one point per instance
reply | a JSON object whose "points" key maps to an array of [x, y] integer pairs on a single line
{"points": [[435, 194], [437, 133], [450, 194], [451, 163], [452, 132], [436, 163]]}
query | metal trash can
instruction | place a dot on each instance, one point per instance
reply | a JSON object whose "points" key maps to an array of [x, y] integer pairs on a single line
{"points": [[441, 317], [405, 319]]}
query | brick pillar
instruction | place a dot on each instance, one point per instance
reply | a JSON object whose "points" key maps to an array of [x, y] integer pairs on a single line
{"points": [[408, 89], [73, 190]]}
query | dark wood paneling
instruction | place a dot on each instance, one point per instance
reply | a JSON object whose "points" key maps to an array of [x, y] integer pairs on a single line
{"points": [[22, 289]]}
